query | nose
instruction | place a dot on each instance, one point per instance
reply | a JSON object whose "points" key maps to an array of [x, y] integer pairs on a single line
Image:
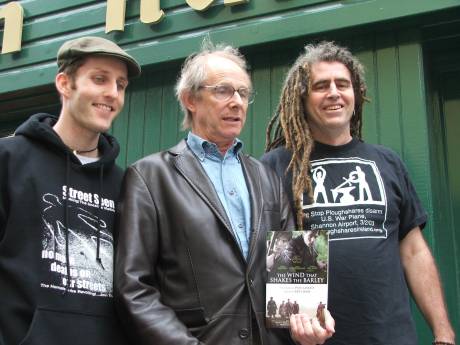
{"points": [[112, 90], [333, 91], [237, 98]]}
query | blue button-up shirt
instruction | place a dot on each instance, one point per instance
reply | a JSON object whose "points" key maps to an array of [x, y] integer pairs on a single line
{"points": [[226, 174]]}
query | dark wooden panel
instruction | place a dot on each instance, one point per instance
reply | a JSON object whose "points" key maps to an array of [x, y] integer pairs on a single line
{"points": [[258, 21]]}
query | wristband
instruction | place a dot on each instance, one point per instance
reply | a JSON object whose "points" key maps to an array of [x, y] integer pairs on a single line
{"points": [[436, 342]]}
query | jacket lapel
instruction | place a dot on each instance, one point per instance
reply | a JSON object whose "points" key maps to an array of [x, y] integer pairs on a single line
{"points": [[252, 176], [189, 167]]}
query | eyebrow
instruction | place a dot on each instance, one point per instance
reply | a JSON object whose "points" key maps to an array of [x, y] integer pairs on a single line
{"points": [[323, 81]]}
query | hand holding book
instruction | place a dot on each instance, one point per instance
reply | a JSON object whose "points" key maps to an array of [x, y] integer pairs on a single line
{"points": [[306, 331]]}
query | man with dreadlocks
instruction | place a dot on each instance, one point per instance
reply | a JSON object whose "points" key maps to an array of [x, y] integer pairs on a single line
{"points": [[364, 198]]}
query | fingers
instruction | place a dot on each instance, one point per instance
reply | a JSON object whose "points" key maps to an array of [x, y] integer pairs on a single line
{"points": [[329, 322], [300, 329], [309, 331]]}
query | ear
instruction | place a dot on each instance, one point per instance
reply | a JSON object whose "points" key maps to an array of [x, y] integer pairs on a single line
{"points": [[63, 84], [189, 101]]}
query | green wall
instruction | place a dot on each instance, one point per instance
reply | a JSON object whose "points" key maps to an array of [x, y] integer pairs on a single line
{"points": [[388, 35], [48, 23]]}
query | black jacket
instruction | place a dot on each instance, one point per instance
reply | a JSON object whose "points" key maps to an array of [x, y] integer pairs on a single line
{"points": [[56, 214], [180, 276]]}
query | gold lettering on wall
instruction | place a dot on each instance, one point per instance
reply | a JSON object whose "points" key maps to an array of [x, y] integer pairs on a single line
{"points": [[115, 15], [151, 12], [199, 5], [12, 33], [235, 2], [116, 11]]}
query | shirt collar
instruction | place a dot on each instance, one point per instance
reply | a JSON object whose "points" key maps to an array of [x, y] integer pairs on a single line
{"points": [[202, 147]]}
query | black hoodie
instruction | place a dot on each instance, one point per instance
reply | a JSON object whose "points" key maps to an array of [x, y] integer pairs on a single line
{"points": [[56, 240]]}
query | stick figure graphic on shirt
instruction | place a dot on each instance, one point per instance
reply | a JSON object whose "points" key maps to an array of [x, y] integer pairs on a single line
{"points": [[359, 177], [319, 175], [344, 189], [356, 178]]}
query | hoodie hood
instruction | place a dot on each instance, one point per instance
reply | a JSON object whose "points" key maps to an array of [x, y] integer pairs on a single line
{"points": [[57, 219], [39, 127]]}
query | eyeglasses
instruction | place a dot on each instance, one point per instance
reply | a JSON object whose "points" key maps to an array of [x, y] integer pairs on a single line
{"points": [[224, 92]]}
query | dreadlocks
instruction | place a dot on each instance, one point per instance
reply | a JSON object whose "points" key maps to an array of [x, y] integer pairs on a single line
{"points": [[289, 126]]}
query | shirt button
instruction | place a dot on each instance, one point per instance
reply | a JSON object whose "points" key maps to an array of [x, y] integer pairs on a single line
{"points": [[243, 333], [240, 226], [231, 192]]}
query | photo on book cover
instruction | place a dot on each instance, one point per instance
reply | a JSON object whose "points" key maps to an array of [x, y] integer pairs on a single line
{"points": [[297, 275]]}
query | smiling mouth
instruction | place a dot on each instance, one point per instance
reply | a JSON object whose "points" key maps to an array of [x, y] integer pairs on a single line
{"points": [[334, 107], [104, 107]]}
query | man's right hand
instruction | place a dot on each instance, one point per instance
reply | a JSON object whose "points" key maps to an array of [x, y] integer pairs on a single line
{"points": [[306, 331]]}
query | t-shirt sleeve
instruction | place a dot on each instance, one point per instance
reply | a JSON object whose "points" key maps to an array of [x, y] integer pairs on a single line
{"points": [[412, 212], [269, 159], [278, 160]]}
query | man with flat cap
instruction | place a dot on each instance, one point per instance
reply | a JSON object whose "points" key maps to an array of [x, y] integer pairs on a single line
{"points": [[58, 188]]}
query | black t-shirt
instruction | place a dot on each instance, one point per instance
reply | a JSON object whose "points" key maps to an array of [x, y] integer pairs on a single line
{"points": [[363, 196]]}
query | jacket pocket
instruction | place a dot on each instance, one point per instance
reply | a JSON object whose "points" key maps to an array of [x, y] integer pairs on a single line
{"points": [[193, 317], [72, 328]]}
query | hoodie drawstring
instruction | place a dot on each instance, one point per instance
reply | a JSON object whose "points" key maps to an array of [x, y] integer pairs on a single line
{"points": [[66, 224], [98, 244]]}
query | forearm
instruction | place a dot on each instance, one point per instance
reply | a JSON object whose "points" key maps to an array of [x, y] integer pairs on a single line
{"points": [[137, 295], [148, 320], [425, 284], [138, 301]]}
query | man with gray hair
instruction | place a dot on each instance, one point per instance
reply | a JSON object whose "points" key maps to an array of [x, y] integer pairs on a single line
{"points": [[190, 264]]}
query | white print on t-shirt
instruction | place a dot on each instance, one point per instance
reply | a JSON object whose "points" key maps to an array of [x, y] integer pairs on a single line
{"points": [[348, 199], [87, 275]]}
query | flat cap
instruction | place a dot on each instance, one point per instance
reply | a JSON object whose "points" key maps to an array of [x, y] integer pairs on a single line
{"points": [[89, 45]]}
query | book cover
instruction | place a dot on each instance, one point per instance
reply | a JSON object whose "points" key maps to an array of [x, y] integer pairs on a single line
{"points": [[297, 275]]}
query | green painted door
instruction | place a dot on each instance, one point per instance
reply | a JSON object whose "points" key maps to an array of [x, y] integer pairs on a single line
{"points": [[445, 166], [450, 119], [16, 108]]}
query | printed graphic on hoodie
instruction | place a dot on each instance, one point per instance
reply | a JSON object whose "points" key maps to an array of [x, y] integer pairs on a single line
{"points": [[348, 199], [90, 270]]}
